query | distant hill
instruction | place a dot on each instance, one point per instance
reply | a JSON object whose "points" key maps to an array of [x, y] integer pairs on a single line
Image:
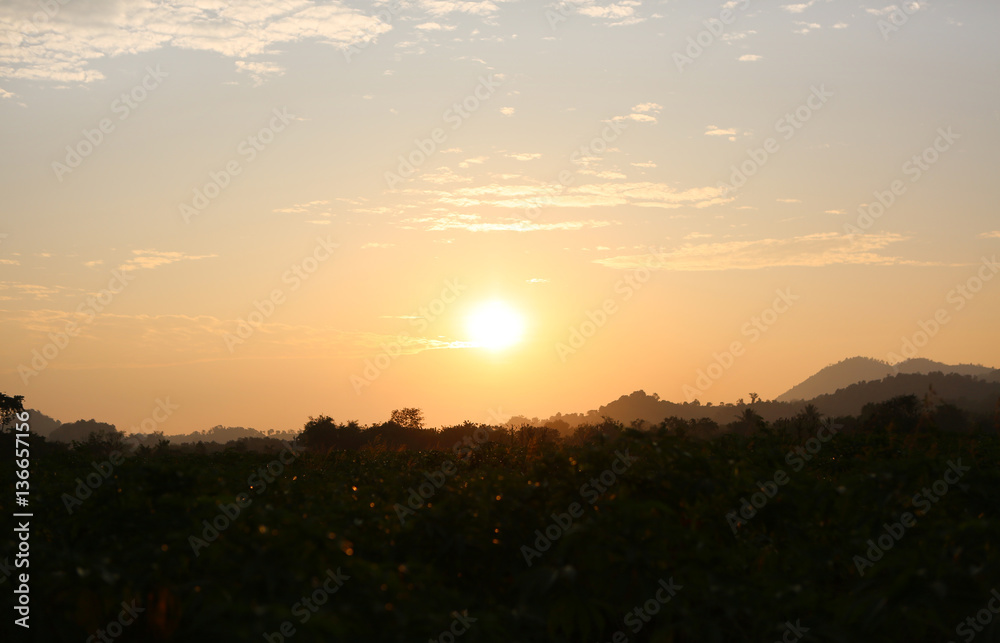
{"points": [[971, 394], [42, 424], [865, 369]]}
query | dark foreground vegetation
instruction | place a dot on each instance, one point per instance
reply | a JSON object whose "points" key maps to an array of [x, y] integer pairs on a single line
{"points": [[627, 530]]}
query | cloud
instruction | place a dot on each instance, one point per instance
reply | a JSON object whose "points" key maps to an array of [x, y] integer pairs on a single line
{"points": [[833, 212], [616, 14], [642, 113], [815, 250], [788, 201], [525, 156], [434, 26], [537, 280], [806, 27], [13, 291], [798, 8], [522, 196], [712, 130], [749, 58], [476, 160], [148, 259], [259, 71], [507, 111], [94, 263], [310, 208], [444, 176], [374, 244], [445, 7], [117, 341], [476, 223], [994, 234], [909, 7], [649, 164], [64, 47]]}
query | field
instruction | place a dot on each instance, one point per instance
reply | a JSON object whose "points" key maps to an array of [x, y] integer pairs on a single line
{"points": [[629, 535]]}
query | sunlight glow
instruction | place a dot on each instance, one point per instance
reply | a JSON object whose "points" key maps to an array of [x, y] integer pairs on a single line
{"points": [[495, 326]]}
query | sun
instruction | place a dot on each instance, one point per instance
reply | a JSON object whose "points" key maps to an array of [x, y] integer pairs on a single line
{"points": [[495, 326]]}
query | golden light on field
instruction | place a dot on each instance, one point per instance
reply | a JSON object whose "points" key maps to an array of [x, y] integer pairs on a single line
{"points": [[495, 326]]}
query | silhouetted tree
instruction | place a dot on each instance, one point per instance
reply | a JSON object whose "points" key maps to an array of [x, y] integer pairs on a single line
{"points": [[10, 406], [807, 421], [408, 418], [319, 433]]}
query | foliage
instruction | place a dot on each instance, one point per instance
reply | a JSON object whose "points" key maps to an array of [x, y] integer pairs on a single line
{"points": [[664, 517]]}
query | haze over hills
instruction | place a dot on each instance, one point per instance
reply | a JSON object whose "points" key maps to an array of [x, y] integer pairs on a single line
{"points": [[972, 395], [865, 369], [840, 389]]}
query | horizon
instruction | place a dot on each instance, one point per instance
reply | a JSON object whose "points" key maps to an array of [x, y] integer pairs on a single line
{"points": [[485, 208]]}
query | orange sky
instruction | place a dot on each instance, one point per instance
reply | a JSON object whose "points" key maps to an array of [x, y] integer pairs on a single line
{"points": [[274, 212]]}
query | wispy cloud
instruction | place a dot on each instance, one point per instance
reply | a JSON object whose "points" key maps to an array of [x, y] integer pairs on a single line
{"points": [[477, 223], [148, 259], [712, 130], [815, 250], [615, 14], [65, 45], [643, 113], [259, 71]]}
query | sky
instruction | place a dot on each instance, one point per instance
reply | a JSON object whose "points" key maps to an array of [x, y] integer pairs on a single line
{"points": [[254, 212]]}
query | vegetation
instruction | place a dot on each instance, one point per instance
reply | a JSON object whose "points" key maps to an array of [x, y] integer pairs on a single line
{"points": [[344, 503]]}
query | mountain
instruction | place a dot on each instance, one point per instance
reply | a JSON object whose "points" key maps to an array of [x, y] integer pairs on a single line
{"points": [[970, 394], [865, 369], [42, 424]]}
